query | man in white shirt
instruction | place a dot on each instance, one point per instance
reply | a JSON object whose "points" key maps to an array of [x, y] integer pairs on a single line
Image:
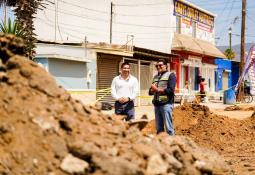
{"points": [[124, 90]]}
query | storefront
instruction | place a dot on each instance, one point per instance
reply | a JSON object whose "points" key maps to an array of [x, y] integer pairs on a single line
{"points": [[197, 61], [142, 62]]}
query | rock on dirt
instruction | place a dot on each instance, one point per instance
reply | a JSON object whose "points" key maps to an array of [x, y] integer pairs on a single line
{"points": [[73, 165]]}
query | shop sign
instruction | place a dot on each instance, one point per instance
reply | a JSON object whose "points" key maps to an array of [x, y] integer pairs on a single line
{"points": [[185, 10], [204, 27], [192, 62], [186, 21]]}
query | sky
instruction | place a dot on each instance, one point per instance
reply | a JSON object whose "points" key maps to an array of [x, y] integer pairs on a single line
{"points": [[228, 15]]}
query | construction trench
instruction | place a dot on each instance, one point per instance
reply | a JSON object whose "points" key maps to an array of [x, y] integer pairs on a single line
{"points": [[43, 131]]}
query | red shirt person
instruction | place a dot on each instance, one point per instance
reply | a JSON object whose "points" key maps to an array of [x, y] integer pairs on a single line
{"points": [[202, 87]]}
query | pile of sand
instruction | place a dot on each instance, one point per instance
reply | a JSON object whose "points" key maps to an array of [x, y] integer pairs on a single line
{"points": [[44, 131], [240, 108], [234, 139]]}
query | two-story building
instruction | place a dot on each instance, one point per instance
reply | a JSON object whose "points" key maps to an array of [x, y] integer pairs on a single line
{"points": [[195, 43]]}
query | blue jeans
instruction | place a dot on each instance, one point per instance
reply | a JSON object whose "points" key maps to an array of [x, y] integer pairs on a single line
{"points": [[163, 117]]}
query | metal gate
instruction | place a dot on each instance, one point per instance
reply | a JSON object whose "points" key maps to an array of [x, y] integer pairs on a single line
{"points": [[107, 69]]}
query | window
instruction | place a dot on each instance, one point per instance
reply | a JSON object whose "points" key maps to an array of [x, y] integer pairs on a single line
{"points": [[178, 24]]}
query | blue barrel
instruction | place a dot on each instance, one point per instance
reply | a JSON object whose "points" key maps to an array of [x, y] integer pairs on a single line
{"points": [[229, 97]]}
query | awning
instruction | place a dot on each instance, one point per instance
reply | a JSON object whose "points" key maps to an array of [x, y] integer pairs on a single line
{"points": [[149, 54], [189, 44], [63, 57]]}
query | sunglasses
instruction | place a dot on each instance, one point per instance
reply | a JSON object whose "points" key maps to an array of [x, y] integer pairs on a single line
{"points": [[159, 65]]}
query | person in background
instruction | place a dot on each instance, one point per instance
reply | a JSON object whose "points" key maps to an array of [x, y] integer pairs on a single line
{"points": [[124, 90], [202, 89], [186, 92], [247, 87], [162, 88]]}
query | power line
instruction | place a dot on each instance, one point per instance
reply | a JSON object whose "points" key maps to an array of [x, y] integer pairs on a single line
{"points": [[142, 4], [97, 29], [227, 24], [145, 15], [72, 25], [80, 16], [100, 19], [140, 25], [140, 39], [82, 7], [69, 28], [224, 8]]}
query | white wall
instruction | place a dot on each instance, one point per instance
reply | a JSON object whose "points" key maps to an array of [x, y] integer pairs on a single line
{"points": [[151, 22], [203, 31]]}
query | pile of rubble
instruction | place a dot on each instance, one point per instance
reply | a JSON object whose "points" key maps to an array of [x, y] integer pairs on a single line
{"points": [[44, 131], [232, 138]]}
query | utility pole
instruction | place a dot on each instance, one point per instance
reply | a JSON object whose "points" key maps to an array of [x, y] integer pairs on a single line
{"points": [[85, 46], [111, 23], [243, 36], [56, 18], [230, 38], [240, 94]]}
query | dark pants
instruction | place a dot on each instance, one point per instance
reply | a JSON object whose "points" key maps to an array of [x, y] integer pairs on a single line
{"points": [[247, 90], [125, 109]]}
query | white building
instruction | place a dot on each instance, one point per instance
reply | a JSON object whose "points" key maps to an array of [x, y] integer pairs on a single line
{"points": [[154, 27], [143, 23]]}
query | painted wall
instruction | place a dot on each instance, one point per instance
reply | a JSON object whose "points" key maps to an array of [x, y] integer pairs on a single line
{"points": [[204, 30], [152, 26], [223, 65], [235, 72], [71, 75], [42, 62]]}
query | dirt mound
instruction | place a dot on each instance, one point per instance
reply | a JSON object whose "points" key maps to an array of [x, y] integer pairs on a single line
{"points": [[239, 108], [44, 131], [234, 139], [233, 108]]}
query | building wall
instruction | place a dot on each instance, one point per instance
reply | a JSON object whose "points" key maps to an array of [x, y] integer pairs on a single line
{"points": [[69, 74], [203, 30], [235, 72], [84, 78], [151, 26], [223, 65], [43, 62]]}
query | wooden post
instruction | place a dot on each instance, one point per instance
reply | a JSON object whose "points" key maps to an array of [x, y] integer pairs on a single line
{"points": [[139, 81], [111, 23], [240, 90]]}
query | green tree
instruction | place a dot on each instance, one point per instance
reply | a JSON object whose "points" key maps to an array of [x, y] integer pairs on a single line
{"points": [[24, 12], [230, 54], [11, 27]]}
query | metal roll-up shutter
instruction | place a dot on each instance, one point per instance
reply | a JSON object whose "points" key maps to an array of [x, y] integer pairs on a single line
{"points": [[107, 69]]}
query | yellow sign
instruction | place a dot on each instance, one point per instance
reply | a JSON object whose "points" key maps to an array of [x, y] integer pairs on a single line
{"points": [[190, 12]]}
